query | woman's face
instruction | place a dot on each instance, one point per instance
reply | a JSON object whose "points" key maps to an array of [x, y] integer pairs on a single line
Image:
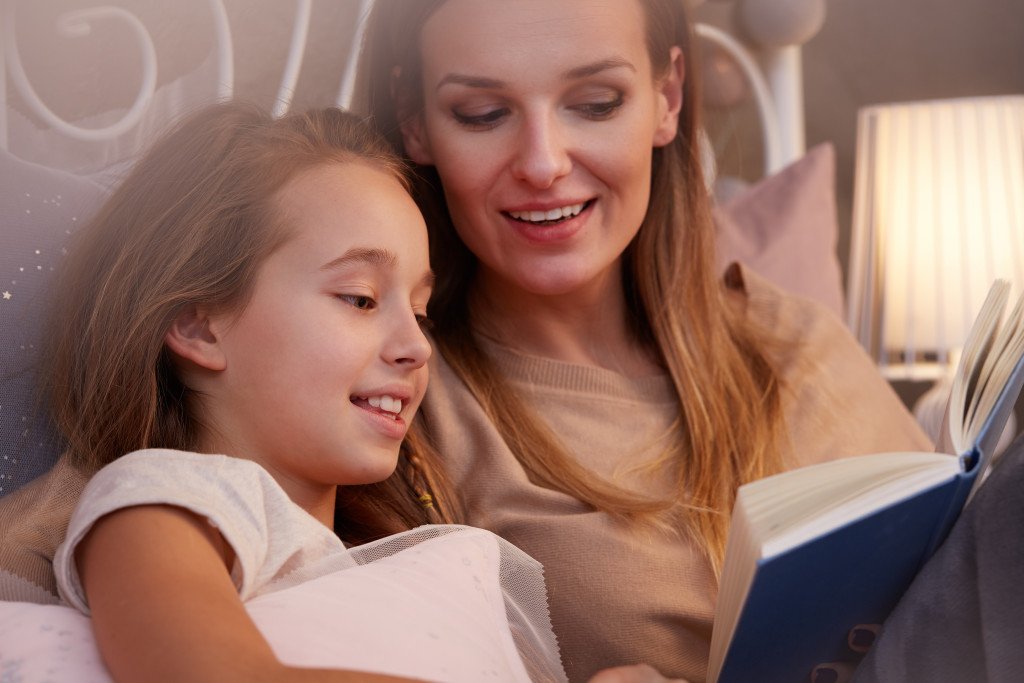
{"points": [[540, 117]]}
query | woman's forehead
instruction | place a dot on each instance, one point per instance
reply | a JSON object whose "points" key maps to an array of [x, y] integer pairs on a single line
{"points": [[481, 35]]}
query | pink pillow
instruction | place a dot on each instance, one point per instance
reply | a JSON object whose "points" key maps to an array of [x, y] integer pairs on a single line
{"points": [[436, 610], [785, 229]]}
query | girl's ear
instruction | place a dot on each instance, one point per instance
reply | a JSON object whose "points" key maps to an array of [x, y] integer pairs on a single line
{"points": [[193, 338], [671, 96], [411, 123]]}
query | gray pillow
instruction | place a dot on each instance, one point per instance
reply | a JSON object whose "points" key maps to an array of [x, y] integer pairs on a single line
{"points": [[39, 208]]}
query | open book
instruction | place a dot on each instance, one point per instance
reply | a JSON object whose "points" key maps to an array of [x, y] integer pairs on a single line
{"points": [[815, 551]]}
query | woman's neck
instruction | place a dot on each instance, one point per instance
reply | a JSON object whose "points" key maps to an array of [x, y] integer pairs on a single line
{"points": [[587, 328]]}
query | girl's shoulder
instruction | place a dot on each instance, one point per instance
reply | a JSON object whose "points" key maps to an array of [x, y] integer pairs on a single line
{"points": [[238, 497]]}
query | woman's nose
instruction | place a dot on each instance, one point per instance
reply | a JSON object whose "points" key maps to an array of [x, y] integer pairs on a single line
{"points": [[542, 155]]}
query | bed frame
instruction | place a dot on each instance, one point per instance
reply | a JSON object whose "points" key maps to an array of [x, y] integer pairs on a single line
{"points": [[773, 75], [36, 140]]}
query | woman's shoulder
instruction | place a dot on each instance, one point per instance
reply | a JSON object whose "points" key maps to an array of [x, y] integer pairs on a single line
{"points": [[785, 315], [838, 402], [797, 333]]}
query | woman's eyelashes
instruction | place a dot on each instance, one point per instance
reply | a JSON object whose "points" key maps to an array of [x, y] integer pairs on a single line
{"points": [[602, 109], [595, 110], [482, 121]]}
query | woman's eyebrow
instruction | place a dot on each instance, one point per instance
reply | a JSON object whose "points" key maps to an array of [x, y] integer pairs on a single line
{"points": [[583, 71], [599, 66], [471, 81]]}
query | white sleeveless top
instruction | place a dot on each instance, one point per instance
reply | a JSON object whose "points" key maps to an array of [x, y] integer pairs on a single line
{"points": [[441, 602]]}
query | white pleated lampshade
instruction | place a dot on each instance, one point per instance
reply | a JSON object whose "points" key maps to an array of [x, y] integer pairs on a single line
{"points": [[938, 215]]}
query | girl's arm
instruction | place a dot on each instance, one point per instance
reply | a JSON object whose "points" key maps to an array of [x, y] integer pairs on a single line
{"points": [[164, 607]]}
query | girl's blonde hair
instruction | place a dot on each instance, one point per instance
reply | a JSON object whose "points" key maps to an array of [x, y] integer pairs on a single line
{"points": [[191, 224], [730, 414]]}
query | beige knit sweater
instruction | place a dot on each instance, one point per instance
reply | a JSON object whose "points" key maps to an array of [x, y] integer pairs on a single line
{"points": [[33, 520], [618, 596]]}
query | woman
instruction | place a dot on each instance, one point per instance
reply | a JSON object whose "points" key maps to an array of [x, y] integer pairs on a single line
{"points": [[599, 396]]}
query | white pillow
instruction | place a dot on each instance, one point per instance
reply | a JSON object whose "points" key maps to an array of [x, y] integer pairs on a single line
{"points": [[435, 611]]}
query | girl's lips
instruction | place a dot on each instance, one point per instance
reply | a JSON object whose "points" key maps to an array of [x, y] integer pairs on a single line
{"points": [[388, 424], [550, 232]]}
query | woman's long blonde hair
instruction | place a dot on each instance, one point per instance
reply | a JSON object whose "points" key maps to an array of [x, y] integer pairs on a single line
{"points": [[191, 224], [730, 416]]}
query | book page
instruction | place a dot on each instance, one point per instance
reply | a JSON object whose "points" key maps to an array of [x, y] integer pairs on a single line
{"points": [[1006, 350], [977, 347]]}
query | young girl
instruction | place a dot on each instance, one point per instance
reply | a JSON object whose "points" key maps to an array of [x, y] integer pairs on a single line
{"points": [[243, 320]]}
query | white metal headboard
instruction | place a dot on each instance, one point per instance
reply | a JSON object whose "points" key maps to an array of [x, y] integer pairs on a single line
{"points": [[777, 85], [78, 23]]}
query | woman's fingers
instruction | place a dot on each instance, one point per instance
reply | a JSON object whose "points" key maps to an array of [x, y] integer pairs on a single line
{"points": [[862, 637], [833, 672]]}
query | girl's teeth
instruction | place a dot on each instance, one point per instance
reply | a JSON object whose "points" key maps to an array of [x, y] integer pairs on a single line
{"points": [[386, 403]]}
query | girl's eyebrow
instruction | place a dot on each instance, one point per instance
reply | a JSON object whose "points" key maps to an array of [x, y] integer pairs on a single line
{"points": [[572, 74], [373, 256]]}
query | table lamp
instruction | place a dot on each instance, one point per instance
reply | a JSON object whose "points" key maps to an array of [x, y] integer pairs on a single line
{"points": [[938, 214]]}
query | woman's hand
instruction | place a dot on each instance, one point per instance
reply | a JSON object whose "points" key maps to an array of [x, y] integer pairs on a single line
{"points": [[859, 640], [638, 673]]}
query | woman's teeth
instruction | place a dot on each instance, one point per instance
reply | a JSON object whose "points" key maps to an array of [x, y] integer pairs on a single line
{"points": [[545, 216]]}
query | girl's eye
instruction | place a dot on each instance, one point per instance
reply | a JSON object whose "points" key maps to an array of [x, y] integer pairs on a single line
{"points": [[363, 303], [425, 322], [486, 120], [600, 110]]}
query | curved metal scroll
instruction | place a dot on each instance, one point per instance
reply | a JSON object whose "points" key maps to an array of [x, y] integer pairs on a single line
{"points": [[296, 53], [77, 24], [773, 153], [348, 79]]}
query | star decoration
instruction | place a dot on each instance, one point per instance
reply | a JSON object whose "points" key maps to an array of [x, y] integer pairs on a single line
{"points": [[7, 295]]}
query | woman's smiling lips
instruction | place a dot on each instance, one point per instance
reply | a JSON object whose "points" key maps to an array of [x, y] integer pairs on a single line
{"points": [[549, 225]]}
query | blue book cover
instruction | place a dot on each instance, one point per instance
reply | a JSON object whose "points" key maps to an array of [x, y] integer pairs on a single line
{"points": [[852, 534]]}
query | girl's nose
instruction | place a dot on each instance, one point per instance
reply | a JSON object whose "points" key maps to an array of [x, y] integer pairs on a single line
{"points": [[542, 156], [408, 345]]}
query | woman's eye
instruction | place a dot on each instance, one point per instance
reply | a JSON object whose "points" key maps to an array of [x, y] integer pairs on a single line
{"points": [[425, 322], [363, 303], [487, 119], [600, 110]]}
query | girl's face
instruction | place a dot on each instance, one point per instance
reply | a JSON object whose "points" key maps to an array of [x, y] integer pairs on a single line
{"points": [[326, 364], [541, 117]]}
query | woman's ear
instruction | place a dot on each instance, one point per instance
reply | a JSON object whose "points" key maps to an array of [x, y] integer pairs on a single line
{"points": [[192, 337], [410, 122], [671, 98]]}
